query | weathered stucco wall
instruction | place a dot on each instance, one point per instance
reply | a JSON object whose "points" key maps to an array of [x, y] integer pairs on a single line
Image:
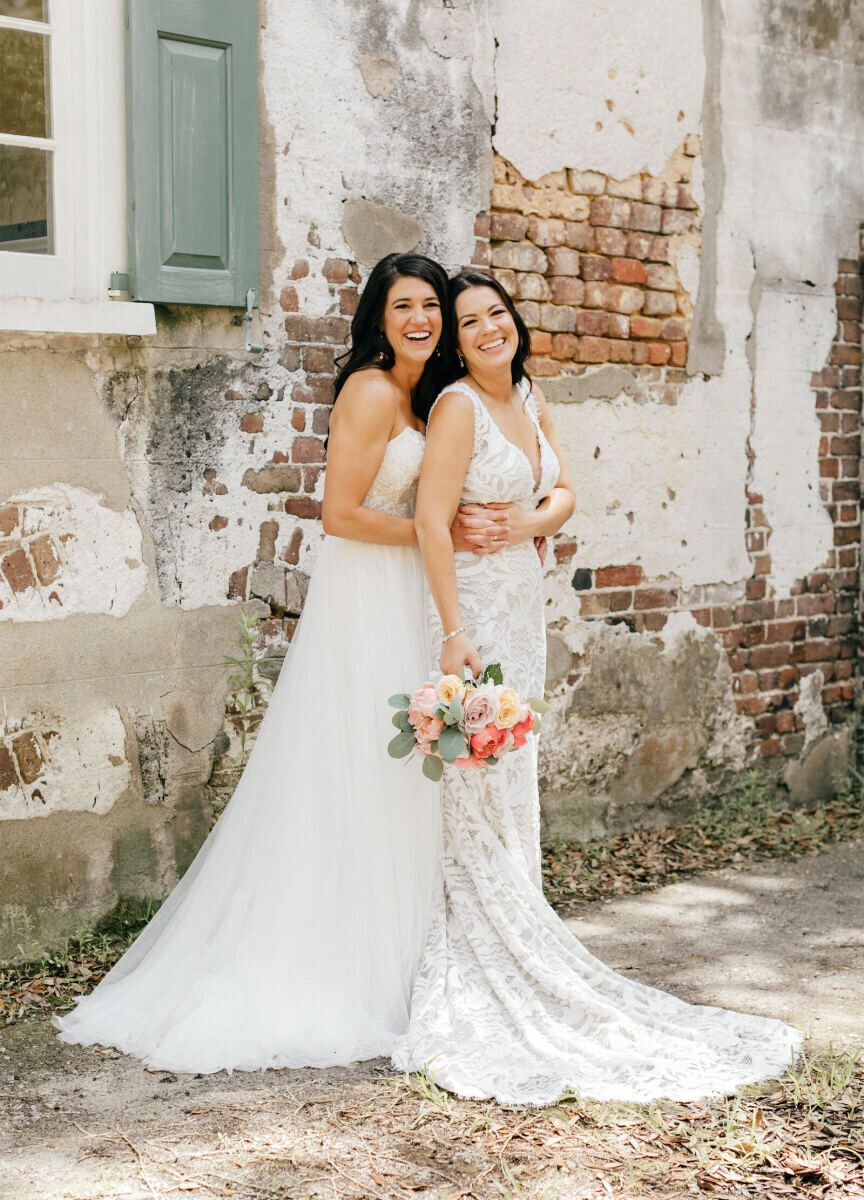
{"points": [[673, 193]]}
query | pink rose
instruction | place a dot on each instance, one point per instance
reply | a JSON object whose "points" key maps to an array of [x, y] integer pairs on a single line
{"points": [[488, 740], [426, 729], [424, 700], [480, 708]]}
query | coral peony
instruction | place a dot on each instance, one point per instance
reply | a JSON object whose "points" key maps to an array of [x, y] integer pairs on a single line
{"points": [[488, 740]]}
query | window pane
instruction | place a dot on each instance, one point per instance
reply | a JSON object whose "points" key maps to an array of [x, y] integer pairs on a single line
{"points": [[25, 10], [24, 103], [26, 200]]}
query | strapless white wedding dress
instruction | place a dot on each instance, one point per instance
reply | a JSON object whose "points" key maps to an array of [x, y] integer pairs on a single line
{"points": [[508, 1003], [295, 936]]}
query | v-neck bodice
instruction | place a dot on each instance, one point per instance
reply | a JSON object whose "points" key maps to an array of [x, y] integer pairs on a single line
{"points": [[500, 470]]}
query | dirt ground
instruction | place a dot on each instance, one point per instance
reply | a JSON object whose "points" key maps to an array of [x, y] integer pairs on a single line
{"points": [[784, 939]]}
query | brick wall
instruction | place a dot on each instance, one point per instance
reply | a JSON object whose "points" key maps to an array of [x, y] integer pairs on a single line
{"points": [[591, 261], [773, 642]]}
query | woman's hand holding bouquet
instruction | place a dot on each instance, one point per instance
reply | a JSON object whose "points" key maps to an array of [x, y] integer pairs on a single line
{"points": [[467, 722]]}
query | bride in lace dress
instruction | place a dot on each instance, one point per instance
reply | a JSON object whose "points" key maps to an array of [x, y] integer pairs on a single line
{"points": [[294, 938], [507, 1003]]}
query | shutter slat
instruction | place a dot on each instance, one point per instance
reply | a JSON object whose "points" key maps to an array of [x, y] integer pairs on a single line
{"points": [[193, 161]]}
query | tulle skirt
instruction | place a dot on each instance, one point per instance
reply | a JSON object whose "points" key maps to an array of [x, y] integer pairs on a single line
{"points": [[295, 936]]}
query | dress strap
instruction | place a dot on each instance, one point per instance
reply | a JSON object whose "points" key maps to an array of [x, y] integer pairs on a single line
{"points": [[463, 389], [529, 401]]}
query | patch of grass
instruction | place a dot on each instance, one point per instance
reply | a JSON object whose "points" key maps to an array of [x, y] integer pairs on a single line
{"points": [[740, 828], [55, 980]]}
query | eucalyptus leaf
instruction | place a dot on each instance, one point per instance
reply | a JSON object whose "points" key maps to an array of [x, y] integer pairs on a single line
{"points": [[400, 700], [451, 744], [538, 704], [401, 745], [456, 710], [433, 768], [400, 720]]}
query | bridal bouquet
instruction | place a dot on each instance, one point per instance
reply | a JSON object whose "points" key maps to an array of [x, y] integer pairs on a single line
{"points": [[467, 722]]}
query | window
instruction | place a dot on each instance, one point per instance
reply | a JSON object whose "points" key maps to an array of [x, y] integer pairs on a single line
{"points": [[166, 89]]}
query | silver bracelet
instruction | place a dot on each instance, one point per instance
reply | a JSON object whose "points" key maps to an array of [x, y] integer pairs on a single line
{"points": [[448, 636]]}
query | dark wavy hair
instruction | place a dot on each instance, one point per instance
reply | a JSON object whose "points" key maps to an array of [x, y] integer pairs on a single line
{"points": [[469, 278], [370, 348]]}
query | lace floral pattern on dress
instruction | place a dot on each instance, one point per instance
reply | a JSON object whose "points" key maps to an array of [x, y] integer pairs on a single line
{"points": [[508, 1003]]}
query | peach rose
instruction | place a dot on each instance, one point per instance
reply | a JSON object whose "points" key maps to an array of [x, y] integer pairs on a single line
{"points": [[425, 700], [480, 708], [509, 709], [426, 729], [449, 687], [488, 740]]}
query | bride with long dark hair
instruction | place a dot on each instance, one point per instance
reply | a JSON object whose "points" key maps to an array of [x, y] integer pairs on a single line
{"points": [[294, 937]]}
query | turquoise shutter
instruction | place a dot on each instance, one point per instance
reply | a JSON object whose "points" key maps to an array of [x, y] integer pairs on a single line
{"points": [[192, 132]]}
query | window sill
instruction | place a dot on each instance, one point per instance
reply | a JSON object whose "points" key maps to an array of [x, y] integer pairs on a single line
{"points": [[76, 316]]}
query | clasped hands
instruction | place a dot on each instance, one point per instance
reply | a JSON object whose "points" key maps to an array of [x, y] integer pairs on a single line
{"points": [[488, 528]]}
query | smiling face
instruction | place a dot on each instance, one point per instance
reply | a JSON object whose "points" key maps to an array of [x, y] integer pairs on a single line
{"points": [[486, 331], [412, 319]]}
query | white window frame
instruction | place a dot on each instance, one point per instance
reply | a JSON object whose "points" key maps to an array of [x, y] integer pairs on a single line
{"points": [[68, 291]]}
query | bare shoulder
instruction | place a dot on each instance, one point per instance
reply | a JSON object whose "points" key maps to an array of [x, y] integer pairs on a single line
{"points": [[453, 406], [369, 397]]}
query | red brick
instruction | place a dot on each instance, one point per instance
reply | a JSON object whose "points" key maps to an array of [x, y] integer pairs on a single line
{"points": [[546, 367], [660, 278], [620, 352], [748, 682], [786, 631], [639, 245], [508, 227], [619, 325], [563, 260], [530, 286], [620, 601], [608, 210], [610, 241], [621, 577], [848, 309], [541, 341], [592, 604], [218, 523], [565, 346], [753, 705], [18, 572], [307, 450], [45, 559], [237, 584], [482, 256], [829, 468], [628, 270], [655, 598], [316, 329], [567, 290], [845, 355], [846, 534], [659, 354], [252, 422], [674, 329], [659, 304], [579, 236], [564, 551], [303, 506], [676, 221], [546, 231], [810, 605], [645, 327], [311, 476], [592, 322], [482, 225], [300, 269], [272, 479], [596, 266], [770, 748], [335, 270], [288, 300], [315, 389], [755, 589], [298, 419], [593, 350], [640, 352], [596, 294], [320, 420], [647, 217], [775, 655], [291, 552], [623, 298], [349, 299], [679, 354]]}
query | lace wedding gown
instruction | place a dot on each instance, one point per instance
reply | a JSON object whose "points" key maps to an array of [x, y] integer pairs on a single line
{"points": [[508, 1004], [295, 936]]}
